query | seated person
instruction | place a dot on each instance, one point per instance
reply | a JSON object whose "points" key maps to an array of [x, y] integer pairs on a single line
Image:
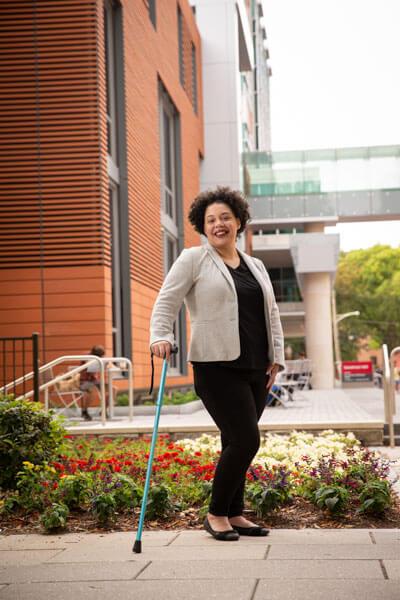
{"points": [[90, 382]]}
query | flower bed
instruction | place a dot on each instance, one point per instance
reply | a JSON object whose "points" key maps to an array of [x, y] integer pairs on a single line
{"points": [[98, 482]]}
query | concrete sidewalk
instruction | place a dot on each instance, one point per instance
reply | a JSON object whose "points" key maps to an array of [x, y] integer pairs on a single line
{"points": [[307, 564], [312, 410]]}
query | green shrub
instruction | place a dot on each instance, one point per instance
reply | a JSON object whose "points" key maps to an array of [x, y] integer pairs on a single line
{"points": [[75, 490], [332, 497], [27, 433], [9, 503], [122, 400], [127, 493], [31, 495], [158, 502], [103, 507], [264, 498], [55, 516], [175, 398], [375, 497]]}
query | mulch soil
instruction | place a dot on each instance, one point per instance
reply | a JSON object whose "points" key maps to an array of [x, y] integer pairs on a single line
{"points": [[299, 514]]}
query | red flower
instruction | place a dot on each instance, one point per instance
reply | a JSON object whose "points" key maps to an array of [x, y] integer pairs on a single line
{"points": [[58, 466]]}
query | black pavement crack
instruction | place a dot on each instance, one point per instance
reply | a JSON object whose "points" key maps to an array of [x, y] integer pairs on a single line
{"points": [[385, 575], [254, 589], [141, 570]]}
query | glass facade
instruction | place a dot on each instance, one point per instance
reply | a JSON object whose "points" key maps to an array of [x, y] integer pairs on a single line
{"points": [[343, 182], [285, 286]]}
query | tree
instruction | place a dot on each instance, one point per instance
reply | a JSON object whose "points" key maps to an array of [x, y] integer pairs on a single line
{"points": [[369, 281]]}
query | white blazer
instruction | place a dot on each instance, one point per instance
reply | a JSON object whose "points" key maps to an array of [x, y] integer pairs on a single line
{"points": [[200, 279]]}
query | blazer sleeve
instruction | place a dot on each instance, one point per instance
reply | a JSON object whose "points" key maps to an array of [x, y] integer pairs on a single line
{"points": [[276, 325], [177, 284]]}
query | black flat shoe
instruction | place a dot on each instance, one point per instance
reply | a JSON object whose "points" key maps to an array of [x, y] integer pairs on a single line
{"points": [[229, 535], [254, 530]]}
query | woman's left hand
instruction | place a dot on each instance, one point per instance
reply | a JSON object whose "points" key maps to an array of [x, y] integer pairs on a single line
{"points": [[273, 371]]}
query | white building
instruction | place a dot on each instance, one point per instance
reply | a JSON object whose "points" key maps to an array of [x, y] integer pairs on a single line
{"points": [[292, 195]]}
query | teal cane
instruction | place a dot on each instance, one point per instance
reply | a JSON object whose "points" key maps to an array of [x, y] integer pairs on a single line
{"points": [[137, 547]]}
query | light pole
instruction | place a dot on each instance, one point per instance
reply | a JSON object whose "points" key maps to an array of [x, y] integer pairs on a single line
{"points": [[339, 318]]}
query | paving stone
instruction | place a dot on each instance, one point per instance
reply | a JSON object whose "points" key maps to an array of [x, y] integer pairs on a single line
{"points": [[112, 548], [127, 538], [133, 590], [19, 558], [123, 552], [72, 572], [33, 541], [336, 551], [199, 537], [217, 551], [263, 569], [393, 568], [282, 536], [312, 589], [386, 536]]}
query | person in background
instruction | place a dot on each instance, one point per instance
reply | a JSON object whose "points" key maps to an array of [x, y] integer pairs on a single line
{"points": [[90, 382]]}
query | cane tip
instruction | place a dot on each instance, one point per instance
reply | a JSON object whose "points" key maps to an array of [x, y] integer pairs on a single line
{"points": [[137, 547]]}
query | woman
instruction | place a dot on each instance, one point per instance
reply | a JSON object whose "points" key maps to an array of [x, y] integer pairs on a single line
{"points": [[236, 345]]}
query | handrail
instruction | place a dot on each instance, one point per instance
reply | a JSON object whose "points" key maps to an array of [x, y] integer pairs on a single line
{"points": [[121, 359], [52, 363], [89, 359], [388, 390]]}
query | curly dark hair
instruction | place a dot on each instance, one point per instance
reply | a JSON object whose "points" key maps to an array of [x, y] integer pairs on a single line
{"points": [[233, 198]]}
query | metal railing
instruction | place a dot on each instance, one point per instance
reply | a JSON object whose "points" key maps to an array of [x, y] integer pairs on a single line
{"points": [[389, 390], [18, 348], [87, 360]]}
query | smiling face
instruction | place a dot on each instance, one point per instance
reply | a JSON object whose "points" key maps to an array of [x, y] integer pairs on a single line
{"points": [[220, 225]]}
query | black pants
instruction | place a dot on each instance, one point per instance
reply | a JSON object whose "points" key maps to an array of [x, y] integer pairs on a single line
{"points": [[235, 399]]}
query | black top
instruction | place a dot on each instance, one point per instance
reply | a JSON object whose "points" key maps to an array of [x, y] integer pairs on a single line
{"points": [[252, 329]]}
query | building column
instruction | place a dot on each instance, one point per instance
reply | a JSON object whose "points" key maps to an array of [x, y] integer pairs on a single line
{"points": [[318, 328]]}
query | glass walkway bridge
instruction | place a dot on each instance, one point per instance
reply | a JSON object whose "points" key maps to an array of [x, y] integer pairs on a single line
{"points": [[339, 185]]}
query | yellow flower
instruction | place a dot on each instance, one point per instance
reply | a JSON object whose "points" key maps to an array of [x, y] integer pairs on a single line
{"points": [[28, 464]]}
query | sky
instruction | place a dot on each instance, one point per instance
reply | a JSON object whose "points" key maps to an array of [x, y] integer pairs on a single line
{"points": [[335, 83]]}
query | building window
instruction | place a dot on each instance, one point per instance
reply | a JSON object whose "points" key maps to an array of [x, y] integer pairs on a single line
{"points": [[285, 284], [170, 214], [151, 7], [168, 163], [117, 179], [194, 78], [116, 270], [109, 42], [181, 48]]}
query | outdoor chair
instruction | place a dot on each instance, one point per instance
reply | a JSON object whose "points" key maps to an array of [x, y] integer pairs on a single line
{"points": [[305, 374], [66, 391], [294, 378], [278, 395]]}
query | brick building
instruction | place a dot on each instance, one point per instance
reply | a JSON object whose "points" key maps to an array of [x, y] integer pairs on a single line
{"points": [[101, 115]]}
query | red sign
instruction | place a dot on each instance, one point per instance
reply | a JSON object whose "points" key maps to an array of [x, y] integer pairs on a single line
{"points": [[353, 370]]}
